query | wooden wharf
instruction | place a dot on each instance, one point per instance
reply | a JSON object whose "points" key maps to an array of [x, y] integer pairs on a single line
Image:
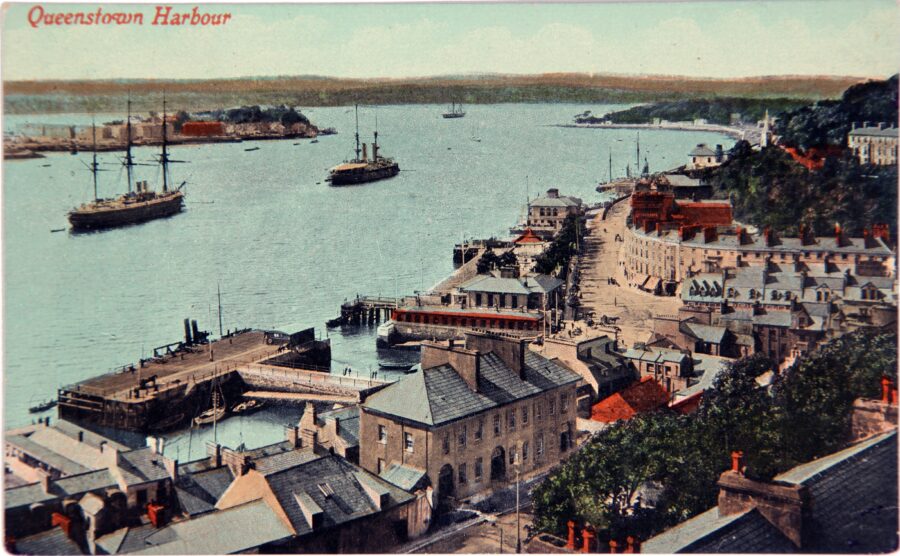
{"points": [[367, 309], [172, 388]]}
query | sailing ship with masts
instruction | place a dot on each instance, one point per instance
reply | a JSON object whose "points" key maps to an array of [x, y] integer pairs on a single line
{"points": [[140, 203], [361, 169], [455, 111]]}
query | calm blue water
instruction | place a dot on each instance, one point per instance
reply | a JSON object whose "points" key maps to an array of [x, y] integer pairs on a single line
{"points": [[286, 248]]}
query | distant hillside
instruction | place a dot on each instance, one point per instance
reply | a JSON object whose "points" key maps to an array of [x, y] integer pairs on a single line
{"points": [[95, 96], [713, 110], [828, 122]]}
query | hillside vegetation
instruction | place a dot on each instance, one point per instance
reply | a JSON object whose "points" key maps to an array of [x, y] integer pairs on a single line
{"points": [[713, 110], [108, 95]]}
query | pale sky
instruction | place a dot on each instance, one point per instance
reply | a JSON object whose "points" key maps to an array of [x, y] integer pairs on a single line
{"points": [[703, 39]]}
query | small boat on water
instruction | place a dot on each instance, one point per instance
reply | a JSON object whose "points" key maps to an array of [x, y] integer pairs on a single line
{"points": [[251, 149], [455, 112], [314, 141], [210, 416], [43, 406], [247, 406]]}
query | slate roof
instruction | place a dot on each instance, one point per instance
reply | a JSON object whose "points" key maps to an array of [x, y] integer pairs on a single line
{"points": [[67, 486], [742, 532], [702, 150], [348, 502], [656, 355], [198, 492], [46, 455], [785, 245], [402, 476], [142, 466], [705, 332], [874, 131], [54, 541], [853, 508], [280, 462], [233, 530], [560, 201], [348, 428], [439, 395], [680, 180], [708, 368]]}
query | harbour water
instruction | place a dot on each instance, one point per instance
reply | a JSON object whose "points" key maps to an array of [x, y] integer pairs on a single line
{"points": [[285, 247]]}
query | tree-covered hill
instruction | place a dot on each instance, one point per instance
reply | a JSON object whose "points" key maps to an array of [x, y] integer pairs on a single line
{"points": [[713, 110], [827, 122]]}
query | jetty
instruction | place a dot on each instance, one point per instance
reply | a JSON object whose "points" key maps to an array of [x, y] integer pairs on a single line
{"points": [[366, 309], [176, 384]]}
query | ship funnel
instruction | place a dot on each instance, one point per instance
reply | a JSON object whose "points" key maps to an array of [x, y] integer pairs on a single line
{"points": [[365, 153], [187, 332], [374, 151]]}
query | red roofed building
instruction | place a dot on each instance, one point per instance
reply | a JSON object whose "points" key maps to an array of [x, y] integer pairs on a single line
{"points": [[528, 237], [202, 129], [641, 397], [653, 208]]}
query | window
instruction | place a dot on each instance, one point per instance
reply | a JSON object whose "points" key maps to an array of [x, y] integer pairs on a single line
{"points": [[490, 300], [380, 465], [478, 470], [538, 411], [462, 436], [141, 498], [462, 474], [551, 406], [512, 455], [408, 441], [514, 301], [382, 434], [445, 443], [563, 402], [479, 430], [539, 445], [525, 451], [524, 415], [497, 425], [478, 299], [512, 419]]}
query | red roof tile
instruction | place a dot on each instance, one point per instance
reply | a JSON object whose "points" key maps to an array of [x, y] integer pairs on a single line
{"points": [[641, 397]]}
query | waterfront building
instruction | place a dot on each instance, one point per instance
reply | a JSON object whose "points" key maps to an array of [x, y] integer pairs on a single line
{"points": [[874, 144], [704, 157], [844, 502], [532, 293], [468, 416], [547, 213]]}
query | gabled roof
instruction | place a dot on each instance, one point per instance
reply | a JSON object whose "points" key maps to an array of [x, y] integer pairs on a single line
{"points": [[236, 529], [439, 395], [742, 532], [561, 201], [493, 284], [641, 397], [705, 332], [528, 237], [341, 497], [54, 541], [874, 131], [198, 492]]}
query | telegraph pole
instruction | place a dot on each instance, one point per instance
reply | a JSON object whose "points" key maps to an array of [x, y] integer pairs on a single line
{"points": [[518, 529]]}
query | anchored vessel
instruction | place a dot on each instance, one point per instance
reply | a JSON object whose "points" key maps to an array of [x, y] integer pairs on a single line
{"points": [[361, 169], [455, 111], [140, 203]]}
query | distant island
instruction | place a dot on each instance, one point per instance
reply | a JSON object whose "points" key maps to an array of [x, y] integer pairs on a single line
{"points": [[719, 111], [25, 97]]}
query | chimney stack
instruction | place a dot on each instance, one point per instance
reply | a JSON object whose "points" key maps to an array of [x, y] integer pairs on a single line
{"points": [[80, 436], [44, 477], [171, 468], [737, 462], [292, 435]]}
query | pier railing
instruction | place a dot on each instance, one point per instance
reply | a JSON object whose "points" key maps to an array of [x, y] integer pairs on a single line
{"points": [[302, 376]]}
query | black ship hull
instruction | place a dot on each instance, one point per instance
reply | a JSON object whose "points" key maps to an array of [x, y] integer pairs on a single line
{"points": [[352, 177], [456, 115], [135, 213]]}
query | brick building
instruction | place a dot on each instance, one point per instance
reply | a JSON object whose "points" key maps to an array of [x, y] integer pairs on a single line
{"points": [[468, 414]]}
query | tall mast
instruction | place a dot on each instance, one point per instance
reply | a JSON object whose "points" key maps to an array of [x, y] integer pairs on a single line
{"points": [[637, 165], [375, 146], [94, 167], [129, 161], [164, 157], [357, 132], [610, 164], [219, 291]]}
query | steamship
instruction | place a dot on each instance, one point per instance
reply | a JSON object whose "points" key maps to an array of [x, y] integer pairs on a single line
{"points": [[361, 169], [140, 203]]}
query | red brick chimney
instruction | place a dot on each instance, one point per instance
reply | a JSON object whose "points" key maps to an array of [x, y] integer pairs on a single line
{"points": [[783, 505], [156, 513], [872, 417], [570, 543]]}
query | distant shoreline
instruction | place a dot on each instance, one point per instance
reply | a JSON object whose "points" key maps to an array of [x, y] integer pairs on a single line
{"points": [[748, 133]]}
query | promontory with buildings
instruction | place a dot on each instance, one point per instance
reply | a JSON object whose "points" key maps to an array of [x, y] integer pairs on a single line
{"points": [[665, 368]]}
